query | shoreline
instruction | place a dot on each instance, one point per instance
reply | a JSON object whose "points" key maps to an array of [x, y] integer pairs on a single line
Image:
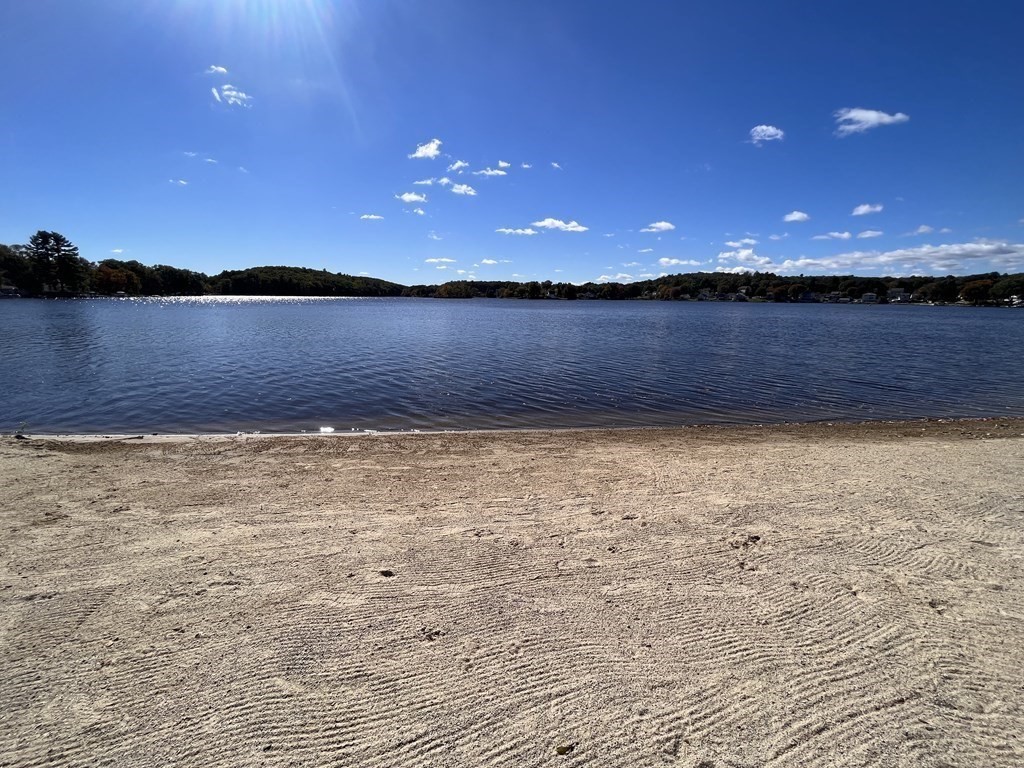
{"points": [[811, 428]]}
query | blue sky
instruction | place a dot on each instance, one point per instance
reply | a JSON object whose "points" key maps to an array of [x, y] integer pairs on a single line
{"points": [[660, 137]]}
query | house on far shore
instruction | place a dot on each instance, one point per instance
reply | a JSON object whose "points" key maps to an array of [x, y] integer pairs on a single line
{"points": [[898, 296], [869, 298]]}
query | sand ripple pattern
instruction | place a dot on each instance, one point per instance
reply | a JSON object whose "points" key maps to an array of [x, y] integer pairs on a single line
{"points": [[699, 599]]}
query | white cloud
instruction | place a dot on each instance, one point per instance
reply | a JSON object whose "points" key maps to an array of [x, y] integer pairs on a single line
{"points": [[371, 217], [924, 229], [419, 211], [763, 133], [442, 266], [734, 270], [742, 242], [503, 164], [429, 150], [659, 226], [243, 169], [434, 236], [216, 96], [189, 154], [558, 224], [458, 165], [945, 230], [745, 256], [488, 261], [865, 208], [678, 263], [632, 264], [857, 120], [230, 95], [925, 259], [179, 182], [490, 172], [616, 278], [463, 189], [833, 236], [783, 236], [526, 166], [424, 182], [867, 233], [796, 216], [444, 181], [556, 166], [210, 160], [411, 197], [117, 250], [608, 234], [646, 250], [439, 261], [507, 231], [215, 70]]}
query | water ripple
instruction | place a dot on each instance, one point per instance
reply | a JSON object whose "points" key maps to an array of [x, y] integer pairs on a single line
{"points": [[291, 363]]}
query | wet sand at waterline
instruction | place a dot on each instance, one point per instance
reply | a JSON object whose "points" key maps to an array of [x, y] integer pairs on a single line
{"points": [[787, 596]]}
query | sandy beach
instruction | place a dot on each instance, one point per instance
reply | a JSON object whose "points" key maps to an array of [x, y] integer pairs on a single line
{"points": [[823, 595]]}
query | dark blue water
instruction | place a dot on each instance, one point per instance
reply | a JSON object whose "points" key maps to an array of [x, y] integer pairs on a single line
{"points": [[202, 365]]}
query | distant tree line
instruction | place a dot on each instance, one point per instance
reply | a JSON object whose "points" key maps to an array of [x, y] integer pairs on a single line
{"points": [[50, 265]]}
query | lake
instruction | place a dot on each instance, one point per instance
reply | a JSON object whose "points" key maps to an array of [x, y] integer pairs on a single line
{"points": [[229, 364]]}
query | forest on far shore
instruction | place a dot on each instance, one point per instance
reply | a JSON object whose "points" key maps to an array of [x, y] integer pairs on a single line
{"points": [[50, 266]]}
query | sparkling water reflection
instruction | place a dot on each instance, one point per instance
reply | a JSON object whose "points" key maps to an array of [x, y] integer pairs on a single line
{"points": [[292, 364]]}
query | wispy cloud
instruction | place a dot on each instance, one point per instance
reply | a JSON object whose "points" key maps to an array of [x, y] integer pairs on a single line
{"points": [[216, 70], [228, 94], [371, 217], [411, 197], [742, 242], [463, 189], [678, 263], [444, 181], [857, 120], [783, 236], [556, 166], [243, 169], [659, 226], [458, 165], [526, 166], [490, 172], [646, 250], [924, 229], [488, 261], [424, 182], [762, 133], [865, 208], [210, 160], [179, 182], [796, 216], [508, 231], [570, 226], [190, 154], [619, 278], [434, 236], [441, 260], [419, 211], [503, 164], [833, 236], [117, 250], [868, 233], [428, 150]]}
